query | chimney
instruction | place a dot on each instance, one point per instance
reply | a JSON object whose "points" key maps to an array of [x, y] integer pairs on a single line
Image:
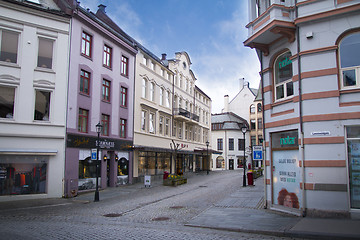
{"points": [[226, 103], [102, 8], [241, 80], [163, 56]]}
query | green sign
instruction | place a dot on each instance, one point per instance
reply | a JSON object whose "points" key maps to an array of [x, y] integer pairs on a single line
{"points": [[285, 139]]}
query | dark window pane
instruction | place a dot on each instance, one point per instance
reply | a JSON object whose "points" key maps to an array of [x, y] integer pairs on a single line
{"points": [[7, 96], [279, 91], [289, 89], [42, 105], [349, 78]]}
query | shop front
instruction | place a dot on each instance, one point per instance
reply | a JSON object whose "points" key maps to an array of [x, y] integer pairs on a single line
{"points": [[286, 171], [80, 166], [353, 150]]}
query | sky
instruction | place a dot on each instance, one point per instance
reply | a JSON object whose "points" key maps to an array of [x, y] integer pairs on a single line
{"points": [[212, 32]]}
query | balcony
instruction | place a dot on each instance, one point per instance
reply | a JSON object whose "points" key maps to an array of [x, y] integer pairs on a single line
{"points": [[274, 24], [185, 115]]}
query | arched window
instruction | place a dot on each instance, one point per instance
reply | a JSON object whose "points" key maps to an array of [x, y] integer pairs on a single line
{"points": [[259, 107], [252, 108], [349, 49], [283, 77]]}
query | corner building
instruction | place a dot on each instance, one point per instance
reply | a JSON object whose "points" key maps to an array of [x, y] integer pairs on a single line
{"points": [[310, 75]]}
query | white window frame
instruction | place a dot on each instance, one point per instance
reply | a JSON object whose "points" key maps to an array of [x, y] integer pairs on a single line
{"points": [[283, 83], [152, 91], [18, 41], [144, 88]]}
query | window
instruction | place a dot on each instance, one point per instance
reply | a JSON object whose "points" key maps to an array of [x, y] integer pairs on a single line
{"points": [[219, 144], [86, 42], [167, 99], [124, 66], [152, 66], [161, 96], [7, 100], [105, 121], [9, 46], [144, 61], [349, 61], [252, 124], [152, 123], [123, 92], [45, 53], [122, 128], [143, 120], [231, 144], [144, 88], [180, 130], [259, 122], [253, 140], [167, 126], [161, 124], [174, 129], [252, 109], [42, 105], [283, 77], [84, 82], [259, 107], [107, 56], [241, 144], [152, 91], [106, 90], [83, 120]]}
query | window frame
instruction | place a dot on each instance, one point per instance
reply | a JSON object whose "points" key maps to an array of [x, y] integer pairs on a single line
{"points": [[123, 125], [82, 79], [106, 90], [8, 60], [124, 68], [80, 117], [283, 83], [13, 88], [107, 56], [220, 144], [123, 96], [105, 121], [41, 48], [143, 120], [86, 44], [48, 107], [144, 88], [231, 144]]}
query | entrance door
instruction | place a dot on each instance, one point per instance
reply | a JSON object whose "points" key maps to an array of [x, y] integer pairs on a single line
{"points": [[231, 164]]}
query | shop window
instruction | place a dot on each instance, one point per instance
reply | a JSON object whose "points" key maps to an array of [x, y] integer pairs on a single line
{"points": [[124, 66], [353, 143], [123, 128], [42, 105], [84, 82], [45, 53], [23, 178], [146, 164], [105, 121], [87, 174], [283, 77], [220, 162], [9, 46], [86, 44], [7, 100], [349, 49], [83, 120]]}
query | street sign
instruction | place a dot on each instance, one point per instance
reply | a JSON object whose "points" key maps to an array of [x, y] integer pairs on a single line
{"points": [[93, 154], [257, 153]]}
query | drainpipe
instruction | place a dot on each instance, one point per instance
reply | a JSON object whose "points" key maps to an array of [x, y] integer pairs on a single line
{"points": [[263, 128], [302, 147]]}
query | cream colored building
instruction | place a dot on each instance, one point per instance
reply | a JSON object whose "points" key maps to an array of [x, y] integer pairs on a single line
{"points": [[171, 117]]}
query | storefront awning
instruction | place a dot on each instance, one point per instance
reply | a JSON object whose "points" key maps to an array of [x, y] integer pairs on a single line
{"points": [[205, 150], [45, 152]]}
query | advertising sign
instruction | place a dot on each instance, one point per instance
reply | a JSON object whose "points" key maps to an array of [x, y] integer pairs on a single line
{"points": [[257, 152], [286, 178]]}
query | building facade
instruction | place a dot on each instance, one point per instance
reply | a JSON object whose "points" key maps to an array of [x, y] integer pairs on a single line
{"points": [[228, 141], [310, 79], [34, 42], [101, 86], [173, 116]]}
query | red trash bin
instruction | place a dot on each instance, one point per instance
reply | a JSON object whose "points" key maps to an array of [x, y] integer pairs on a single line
{"points": [[166, 174], [250, 178]]}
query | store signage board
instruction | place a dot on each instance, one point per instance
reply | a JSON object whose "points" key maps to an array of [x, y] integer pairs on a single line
{"points": [[93, 154], [257, 153]]}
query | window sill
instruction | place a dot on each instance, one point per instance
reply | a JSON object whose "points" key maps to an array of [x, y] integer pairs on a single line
{"points": [[104, 101], [351, 90], [84, 94], [280, 102], [47, 70], [9, 64], [107, 67], [125, 76], [86, 56]]}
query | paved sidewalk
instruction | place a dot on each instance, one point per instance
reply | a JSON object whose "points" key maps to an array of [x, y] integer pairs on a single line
{"points": [[243, 211]]}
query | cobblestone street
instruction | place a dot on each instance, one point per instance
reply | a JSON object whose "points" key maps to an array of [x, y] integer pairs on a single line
{"points": [[129, 212]]}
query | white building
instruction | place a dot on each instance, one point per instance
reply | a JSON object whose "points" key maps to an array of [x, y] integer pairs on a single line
{"points": [[34, 42], [171, 114], [308, 52]]}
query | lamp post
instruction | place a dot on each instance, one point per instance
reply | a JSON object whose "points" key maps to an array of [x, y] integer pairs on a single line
{"points": [[244, 130], [207, 157], [98, 130]]}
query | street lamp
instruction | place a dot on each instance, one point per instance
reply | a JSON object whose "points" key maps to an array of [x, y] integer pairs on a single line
{"points": [[207, 156], [98, 130], [244, 130]]}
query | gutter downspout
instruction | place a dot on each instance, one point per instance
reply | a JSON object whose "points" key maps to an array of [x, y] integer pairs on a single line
{"points": [[263, 129], [302, 147]]}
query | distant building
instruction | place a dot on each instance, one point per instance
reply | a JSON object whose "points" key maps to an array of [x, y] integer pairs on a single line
{"points": [[101, 86], [173, 115], [34, 43], [228, 141], [308, 52]]}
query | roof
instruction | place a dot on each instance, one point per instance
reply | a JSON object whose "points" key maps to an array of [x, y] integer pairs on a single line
{"points": [[230, 121]]}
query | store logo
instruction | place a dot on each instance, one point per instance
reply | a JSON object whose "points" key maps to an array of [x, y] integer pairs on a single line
{"points": [[284, 63], [287, 141]]}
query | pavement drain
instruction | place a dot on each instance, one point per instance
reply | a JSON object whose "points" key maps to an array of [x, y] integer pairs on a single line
{"points": [[176, 207], [160, 219], [113, 215]]}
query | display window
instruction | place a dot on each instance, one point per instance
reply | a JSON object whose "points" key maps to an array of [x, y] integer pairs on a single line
{"points": [[353, 147], [87, 174], [152, 163], [22, 178]]}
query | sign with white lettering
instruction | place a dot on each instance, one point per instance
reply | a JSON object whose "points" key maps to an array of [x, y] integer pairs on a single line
{"points": [[93, 154], [321, 133], [257, 153]]}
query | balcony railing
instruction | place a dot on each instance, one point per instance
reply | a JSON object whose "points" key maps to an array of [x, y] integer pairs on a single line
{"points": [[185, 113]]}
